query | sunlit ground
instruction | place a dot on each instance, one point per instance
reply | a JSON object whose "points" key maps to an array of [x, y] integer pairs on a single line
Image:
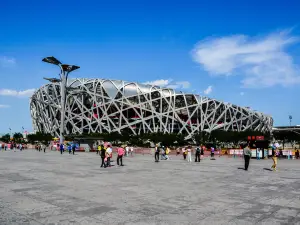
{"points": [[38, 188]]}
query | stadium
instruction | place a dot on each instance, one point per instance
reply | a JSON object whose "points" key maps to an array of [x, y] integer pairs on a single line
{"points": [[102, 105]]}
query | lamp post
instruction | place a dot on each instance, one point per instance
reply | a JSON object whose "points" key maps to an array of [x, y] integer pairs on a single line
{"points": [[290, 118], [65, 69]]}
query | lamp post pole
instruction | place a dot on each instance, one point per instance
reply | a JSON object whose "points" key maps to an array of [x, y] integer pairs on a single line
{"points": [[290, 118], [63, 84], [65, 69]]}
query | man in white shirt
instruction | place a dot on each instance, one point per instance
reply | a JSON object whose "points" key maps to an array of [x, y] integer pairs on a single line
{"points": [[189, 154], [109, 155], [127, 150]]}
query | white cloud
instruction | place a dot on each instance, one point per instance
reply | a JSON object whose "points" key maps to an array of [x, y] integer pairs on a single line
{"points": [[208, 90], [6, 61], [183, 84], [161, 82], [242, 93], [14, 93], [170, 84], [263, 62], [4, 106]]}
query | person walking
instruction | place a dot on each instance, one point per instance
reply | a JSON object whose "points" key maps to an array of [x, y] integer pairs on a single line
{"points": [[189, 154], [163, 153], [98, 149], [127, 151], [69, 148], [120, 156], [131, 151], [258, 153], [197, 155], [156, 154], [202, 152], [247, 156], [184, 153], [44, 147], [61, 148], [167, 153], [212, 152], [73, 148], [108, 155], [297, 154], [274, 158], [102, 155]]}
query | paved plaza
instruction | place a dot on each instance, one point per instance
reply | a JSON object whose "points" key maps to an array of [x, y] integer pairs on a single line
{"points": [[38, 188]]}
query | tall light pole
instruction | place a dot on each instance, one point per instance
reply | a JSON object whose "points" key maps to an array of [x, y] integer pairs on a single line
{"points": [[290, 118], [65, 69]]}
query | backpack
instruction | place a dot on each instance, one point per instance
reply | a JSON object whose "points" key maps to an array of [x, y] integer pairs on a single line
{"points": [[198, 150]]}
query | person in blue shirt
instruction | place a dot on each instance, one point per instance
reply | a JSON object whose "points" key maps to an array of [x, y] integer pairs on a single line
{"points": [[73, 148], [69, 148], [61, 148]]}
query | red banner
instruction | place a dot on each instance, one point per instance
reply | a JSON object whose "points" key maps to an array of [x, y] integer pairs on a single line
{"points": [[260, 138]]}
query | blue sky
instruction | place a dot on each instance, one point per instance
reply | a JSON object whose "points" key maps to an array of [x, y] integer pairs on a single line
{"points": [[243, 52]]}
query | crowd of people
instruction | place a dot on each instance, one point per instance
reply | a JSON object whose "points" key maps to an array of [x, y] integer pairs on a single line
{"points": [[105, 151], [12, 146], [275, 154], [185, 151], [199, 154]]}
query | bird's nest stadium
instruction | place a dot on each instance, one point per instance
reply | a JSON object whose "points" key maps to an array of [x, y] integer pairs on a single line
{"points": [[101, 105]]}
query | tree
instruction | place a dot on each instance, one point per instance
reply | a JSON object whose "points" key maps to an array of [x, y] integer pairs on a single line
{"points": [[180, 140], [201, 137], [285, 136], [45, 138], [18, 137], [5, 138]]}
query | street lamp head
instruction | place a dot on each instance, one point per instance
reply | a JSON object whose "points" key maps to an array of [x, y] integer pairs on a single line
{"points": [[69, 68], [52, 60]]}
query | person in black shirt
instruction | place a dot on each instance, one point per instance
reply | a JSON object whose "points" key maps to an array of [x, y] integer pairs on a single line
{"points": [[156, 154], [297, 154], [197, 155], [102, 155], [73, 148], [202, 151]]}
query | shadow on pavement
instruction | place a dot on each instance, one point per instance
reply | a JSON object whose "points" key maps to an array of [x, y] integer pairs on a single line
{"points": [[268, 169]]}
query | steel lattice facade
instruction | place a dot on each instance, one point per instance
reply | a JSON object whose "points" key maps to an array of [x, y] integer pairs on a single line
{"points": [[116, 106]]}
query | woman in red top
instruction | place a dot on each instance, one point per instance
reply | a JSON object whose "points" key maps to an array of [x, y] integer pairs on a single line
{"points": [[120, 156]]}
